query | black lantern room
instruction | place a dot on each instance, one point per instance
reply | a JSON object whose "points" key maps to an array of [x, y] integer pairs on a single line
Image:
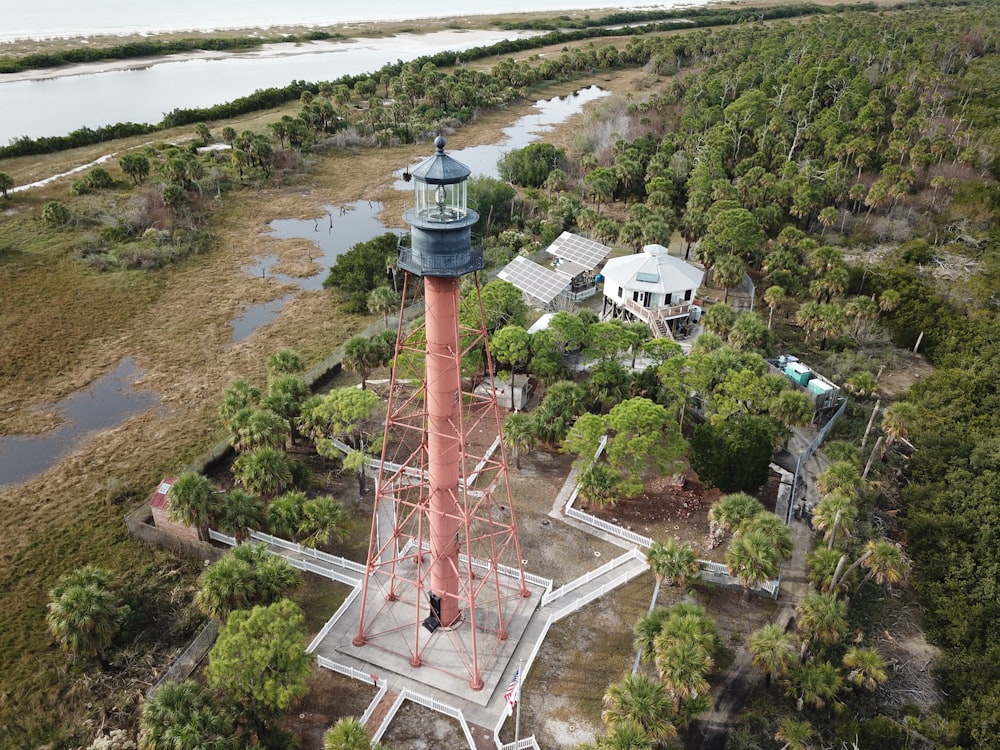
{"points": [[440, 220]]}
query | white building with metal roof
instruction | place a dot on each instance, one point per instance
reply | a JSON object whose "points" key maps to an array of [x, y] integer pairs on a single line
{"points": [[652, 286]]}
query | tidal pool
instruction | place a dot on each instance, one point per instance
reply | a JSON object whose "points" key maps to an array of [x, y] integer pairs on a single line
{"points": [[105, 403]]}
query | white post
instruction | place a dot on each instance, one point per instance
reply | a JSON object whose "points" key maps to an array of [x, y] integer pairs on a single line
{"points": [[517, 717]]}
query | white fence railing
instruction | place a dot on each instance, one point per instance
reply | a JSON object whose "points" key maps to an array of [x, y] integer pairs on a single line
{"points": [[370, 711], [344, 606], [335, 568], [717, 569], [354, 674], [631, 555], [422, 700], [522, 744], [610, 528], [582, 601]]}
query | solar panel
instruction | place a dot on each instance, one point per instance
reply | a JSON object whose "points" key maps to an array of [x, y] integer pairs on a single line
{"points": [[579, 250], [534, 280], [646, 276]]}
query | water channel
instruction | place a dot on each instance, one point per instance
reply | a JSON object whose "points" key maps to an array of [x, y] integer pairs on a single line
{"points": [[110, 400]]}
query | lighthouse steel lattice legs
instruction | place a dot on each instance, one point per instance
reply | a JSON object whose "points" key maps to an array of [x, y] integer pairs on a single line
{"points": [[444, 560]]}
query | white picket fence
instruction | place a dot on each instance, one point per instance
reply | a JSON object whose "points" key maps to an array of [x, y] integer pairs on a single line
{"points": [[631, 555], [435, 705], [717, 569]]}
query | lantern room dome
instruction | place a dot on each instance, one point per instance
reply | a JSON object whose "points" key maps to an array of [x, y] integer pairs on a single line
{"points": [[441, 169]]}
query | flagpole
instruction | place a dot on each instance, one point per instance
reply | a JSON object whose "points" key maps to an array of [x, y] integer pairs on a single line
{"points": [[517, 718]]}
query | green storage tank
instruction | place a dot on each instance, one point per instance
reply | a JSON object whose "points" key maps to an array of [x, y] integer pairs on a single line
{"points": [[798, 372]]}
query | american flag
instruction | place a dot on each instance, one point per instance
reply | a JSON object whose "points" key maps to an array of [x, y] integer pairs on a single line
{"points": [[513, 692]]}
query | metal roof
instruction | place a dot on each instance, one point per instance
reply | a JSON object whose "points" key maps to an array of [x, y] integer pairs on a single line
{"points": [[534, 280], [653, 270], [579, 250], [441, 169]]}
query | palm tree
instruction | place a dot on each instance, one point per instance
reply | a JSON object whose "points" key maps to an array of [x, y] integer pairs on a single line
{"points": [[822, 565], [840, 476], [647, 629], [286, 395], [885, 562], [814, 683], [194, 501], [773, 296], [822, 617], [244, 577], [728, 272], [672, 562], [361, 356], [897, 421], [841, 450], [347, 734], [238, 396], [382, 301], [285, 362], [774, 530], [6, 183], [683, 666], [831, 321], [285, 514], [795, 734], [263, 471], [183, 716], [772, 650], [84, 614], [792, 408], [732, 510], [867, 667], [225, 586], [241, 513], [753, 559], [323, 519], [640, 699], [259, 428], [835, 512], [518, 435], [883, 559], [889, 300], [810, 317], [690, 622], [626, 735]]}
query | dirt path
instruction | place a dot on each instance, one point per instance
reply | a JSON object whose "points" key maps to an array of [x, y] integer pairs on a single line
{"points": [[711, 731]]}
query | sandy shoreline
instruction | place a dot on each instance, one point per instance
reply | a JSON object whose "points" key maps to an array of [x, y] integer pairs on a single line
{"points": [[135, 63], [349, 33]]}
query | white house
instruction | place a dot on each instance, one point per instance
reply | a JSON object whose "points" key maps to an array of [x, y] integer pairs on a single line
{"points": [[652, 286]]}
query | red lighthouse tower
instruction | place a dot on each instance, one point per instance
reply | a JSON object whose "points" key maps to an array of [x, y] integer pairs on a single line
{"points": [[444, 574]]}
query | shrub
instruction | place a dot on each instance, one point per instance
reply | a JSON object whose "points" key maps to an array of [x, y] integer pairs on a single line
{"points": [[55, 214], [99, 178]]}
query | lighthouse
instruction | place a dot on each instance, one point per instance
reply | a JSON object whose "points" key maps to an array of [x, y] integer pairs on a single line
{"points": [[444, 564]]}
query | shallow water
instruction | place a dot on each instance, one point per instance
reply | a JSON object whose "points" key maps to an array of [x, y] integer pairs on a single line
{"points": [[105, 403]]}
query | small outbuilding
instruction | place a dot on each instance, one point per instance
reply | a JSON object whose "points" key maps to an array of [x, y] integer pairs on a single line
{"points": [[513, 394], [159, 503], [571, 277]]}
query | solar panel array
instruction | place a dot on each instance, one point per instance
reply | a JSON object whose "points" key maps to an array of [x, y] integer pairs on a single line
{"points": [[579, 250], [533, 279]]}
